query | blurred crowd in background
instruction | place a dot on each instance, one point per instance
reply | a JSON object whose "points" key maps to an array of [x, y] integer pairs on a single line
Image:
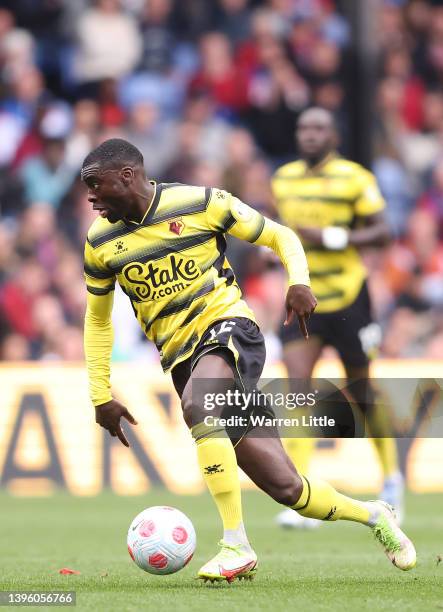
{"points": [[210, 91]]}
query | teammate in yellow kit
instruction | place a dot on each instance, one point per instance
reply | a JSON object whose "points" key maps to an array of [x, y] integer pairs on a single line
{"points": [[164, 243], [335, 206]]}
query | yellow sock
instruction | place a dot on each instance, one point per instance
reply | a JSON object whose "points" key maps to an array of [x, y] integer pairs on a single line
{"points": [[321, 501], [381, 428], [387, 453], [300, 451], [218, 465]]}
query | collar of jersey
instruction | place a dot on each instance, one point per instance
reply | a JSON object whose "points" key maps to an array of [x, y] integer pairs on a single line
{"points": [[314, 170], [151, 208]]}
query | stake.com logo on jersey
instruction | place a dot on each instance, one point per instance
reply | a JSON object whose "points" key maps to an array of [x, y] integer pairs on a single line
{"points": [[154, 281]]}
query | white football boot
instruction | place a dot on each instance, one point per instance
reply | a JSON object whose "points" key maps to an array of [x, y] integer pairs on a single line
{"points": [[232, 562]]}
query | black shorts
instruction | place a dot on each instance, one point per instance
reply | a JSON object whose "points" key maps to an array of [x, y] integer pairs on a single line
{"points": [[239, 341], [351, 331]]}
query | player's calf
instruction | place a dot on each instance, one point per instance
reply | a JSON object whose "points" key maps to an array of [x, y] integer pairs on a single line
{"points": [[285, 492], [266, 463]]}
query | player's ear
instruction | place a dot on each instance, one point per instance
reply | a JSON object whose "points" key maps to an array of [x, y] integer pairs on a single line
{"points": [[127, 175]]}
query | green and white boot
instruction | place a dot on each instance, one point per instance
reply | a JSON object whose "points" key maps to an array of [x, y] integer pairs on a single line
{"points": [[397, 546]]}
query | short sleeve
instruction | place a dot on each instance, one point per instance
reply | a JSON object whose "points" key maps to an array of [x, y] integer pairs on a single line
{"points": [[369, 200], [99, 279]]}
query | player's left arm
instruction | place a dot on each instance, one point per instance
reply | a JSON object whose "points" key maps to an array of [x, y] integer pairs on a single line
{"points": [[229, 214], [300, 301], [370, 227]]}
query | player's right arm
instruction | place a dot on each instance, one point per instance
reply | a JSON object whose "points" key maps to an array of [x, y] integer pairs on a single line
{"points": [[98, 341]]}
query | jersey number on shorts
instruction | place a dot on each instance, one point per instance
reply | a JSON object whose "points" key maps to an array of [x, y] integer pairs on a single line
{"points": [[226, 326]]}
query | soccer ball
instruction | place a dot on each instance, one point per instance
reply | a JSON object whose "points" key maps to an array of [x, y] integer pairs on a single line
{"points": [[161, 540]]}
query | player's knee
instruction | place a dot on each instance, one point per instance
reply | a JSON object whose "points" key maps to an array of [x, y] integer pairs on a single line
{"points": [[287, 493], [298, 369], [192, 413], [364, 395], [187, 408]]}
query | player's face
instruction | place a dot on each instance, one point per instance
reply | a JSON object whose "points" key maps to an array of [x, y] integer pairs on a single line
{"points": [[315, 136], [107, 192]]}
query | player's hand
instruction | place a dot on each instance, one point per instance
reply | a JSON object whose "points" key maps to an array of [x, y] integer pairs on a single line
{"points": [[313, 235], [300, 302], [108, 415]]}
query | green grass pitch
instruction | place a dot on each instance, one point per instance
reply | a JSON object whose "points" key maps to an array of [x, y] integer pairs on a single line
{"points": [[338, 567]]}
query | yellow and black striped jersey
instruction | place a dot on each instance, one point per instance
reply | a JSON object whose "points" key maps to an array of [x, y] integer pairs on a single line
{"points": [[172, 266], [334, 193]]}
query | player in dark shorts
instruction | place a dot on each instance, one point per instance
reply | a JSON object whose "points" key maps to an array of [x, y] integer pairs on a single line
{"points": [[336, 208], [165, 245]]}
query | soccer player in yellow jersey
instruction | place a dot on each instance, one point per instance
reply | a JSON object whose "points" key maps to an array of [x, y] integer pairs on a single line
{"points": [[165, 245], [336, 208]]}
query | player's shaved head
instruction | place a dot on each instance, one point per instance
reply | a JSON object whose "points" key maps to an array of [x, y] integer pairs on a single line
{"points": [[316, 134], [114, 153], [317, 114]]}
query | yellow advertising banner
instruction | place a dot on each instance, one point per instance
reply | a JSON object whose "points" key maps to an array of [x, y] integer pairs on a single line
{"points": [[49, 438]]}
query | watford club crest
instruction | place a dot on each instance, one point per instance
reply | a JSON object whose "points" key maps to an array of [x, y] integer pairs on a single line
{"points": [[176, 226]]}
